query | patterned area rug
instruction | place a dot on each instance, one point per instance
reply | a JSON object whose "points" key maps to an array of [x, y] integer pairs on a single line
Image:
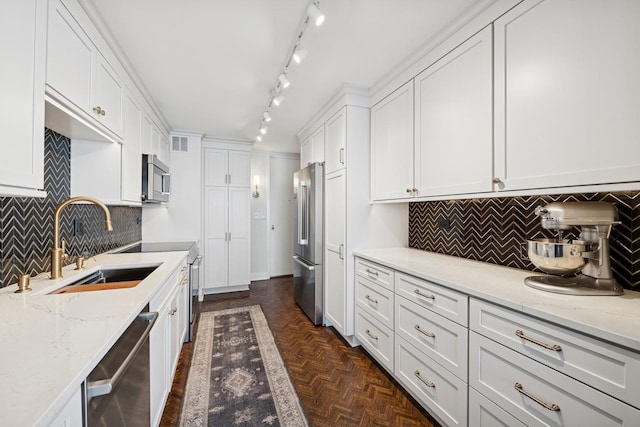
{"points": [[237, 377]]}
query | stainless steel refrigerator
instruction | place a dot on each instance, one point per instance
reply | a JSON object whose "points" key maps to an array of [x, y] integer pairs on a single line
{"points": [[308, 244]]}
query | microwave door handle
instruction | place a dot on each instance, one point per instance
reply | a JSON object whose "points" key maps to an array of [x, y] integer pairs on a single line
{"points": [[166, 184]]}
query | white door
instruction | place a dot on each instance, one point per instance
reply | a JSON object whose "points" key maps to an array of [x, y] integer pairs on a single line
{"points": [[239, 236], [335, 141], [281, 205], [108, 93], [215, 234], [306, 152], [335, 216], [566, 94], [215, 167], [453, 112], [392, 145], [239, 168]]}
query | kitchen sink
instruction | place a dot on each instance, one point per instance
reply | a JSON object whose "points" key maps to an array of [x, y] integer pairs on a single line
{"points": [[108, 278]]}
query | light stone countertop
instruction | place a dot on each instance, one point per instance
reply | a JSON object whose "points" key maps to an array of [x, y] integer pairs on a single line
{"points": [[50, 343], [612, 318]]}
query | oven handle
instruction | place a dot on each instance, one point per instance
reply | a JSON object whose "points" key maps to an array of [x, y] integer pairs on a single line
{"points": [[102, 387]]}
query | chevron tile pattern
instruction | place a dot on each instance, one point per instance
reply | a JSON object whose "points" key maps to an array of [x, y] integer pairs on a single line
{"points": [[495, 230], [26, 224]]}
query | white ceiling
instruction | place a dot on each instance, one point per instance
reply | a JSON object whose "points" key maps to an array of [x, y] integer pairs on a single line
{"points": [[210, 65]]}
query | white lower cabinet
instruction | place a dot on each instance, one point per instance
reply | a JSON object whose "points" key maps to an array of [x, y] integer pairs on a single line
{"points": [[443, 394], [538, 395], [71, 414], [485, 413], [336, 292], [166, 338], [471, 362]]}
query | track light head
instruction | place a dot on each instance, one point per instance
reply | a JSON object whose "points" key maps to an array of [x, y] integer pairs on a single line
{"points": [[278, 100], [315, 15], [299, 54], [284, 81], [259, 138], [267, 116], [263, 129]]}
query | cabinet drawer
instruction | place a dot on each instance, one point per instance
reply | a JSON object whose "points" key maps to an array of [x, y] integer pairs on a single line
{"points": [[538, 395], [438, 390], [383, 276], [446, 302], [375, 337], [439, 338], [609, 368], [485, 413], [375, 300]]}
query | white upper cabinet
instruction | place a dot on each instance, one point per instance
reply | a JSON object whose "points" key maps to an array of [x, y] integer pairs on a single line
{"points": [[567, 94], [227, 167], [312, 148], [22, 31], [392, 145], [80, 82], [131, 151], [306, 152], [335, 142], [453, 129]]}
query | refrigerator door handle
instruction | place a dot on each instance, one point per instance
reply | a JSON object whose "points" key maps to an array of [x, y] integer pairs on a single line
{"points": [[299, 260], [303, 214]]}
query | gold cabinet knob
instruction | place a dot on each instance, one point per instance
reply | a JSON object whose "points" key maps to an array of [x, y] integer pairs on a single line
{"points": [[496, 180]]}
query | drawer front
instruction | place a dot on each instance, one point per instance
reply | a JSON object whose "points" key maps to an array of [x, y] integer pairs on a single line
{"points": [[375, 300], [375, 337], [609, 368], [446, 302], [443, 394], [439, 338], [377, 273], [485, 413], [529, 390]]}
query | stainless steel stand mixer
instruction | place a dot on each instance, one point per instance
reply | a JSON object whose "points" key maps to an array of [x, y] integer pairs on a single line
{"points": [[589, 254]]}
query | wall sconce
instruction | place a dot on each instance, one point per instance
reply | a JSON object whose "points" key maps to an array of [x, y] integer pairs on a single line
{"points": [[256, 184]]}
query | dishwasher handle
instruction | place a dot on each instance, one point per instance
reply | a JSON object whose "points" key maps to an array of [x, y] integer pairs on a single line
{"points": [[102, 387]]}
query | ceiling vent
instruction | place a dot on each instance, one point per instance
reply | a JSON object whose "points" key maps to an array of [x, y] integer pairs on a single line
{"points": [[180, 143]]}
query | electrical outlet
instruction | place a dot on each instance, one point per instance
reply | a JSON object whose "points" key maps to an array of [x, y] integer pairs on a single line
{"points": [[78, 227], [444, 223]]}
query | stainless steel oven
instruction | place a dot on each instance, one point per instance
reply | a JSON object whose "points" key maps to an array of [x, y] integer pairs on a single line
{"points": [[156, 180]]}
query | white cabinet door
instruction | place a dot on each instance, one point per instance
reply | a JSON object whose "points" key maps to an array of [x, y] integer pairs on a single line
{"points": [[566, 93], [175, 335], [239, 168], [392, 145], [69, 57], [306, 153], [158, 362], [317, 145], [239, 236], [107, 96], [335, 217], [453, 129], [23, 31], [131, 151], [215, 170], [215, 229], [335, 142]]}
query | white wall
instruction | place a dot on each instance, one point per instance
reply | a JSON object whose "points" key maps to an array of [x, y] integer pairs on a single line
{"points": [[181, 220], [259, 215]]}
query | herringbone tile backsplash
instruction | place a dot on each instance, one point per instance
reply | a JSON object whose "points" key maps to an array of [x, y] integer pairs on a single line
{"points": [[26, 224], [495, 230]]}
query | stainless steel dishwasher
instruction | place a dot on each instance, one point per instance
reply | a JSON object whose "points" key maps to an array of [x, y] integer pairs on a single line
{"points": [[116, 392]]}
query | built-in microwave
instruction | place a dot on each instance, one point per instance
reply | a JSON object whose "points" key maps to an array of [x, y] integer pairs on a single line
{"points": [[156, 180]]}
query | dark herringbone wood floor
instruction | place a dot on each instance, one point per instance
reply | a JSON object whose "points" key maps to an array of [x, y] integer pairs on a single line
{"points": [[338, 385]]}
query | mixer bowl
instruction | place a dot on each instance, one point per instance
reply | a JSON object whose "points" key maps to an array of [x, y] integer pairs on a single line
{"points": [[554, 257]]}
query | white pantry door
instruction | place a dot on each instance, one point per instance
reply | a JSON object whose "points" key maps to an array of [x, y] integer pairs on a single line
{"points": [[281, 205]]}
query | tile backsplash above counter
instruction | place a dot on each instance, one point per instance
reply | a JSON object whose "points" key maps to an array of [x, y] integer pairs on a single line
{"points": [[496, 230], [26, 223]]}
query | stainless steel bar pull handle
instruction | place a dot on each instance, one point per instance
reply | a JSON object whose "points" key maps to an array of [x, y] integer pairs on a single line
{"points": [[554, 347], [341, 251], [371, 272], [549, 406], [371, 335], [342, 156], [373, 300], [424, 381], [422, 331], [102, 387], [429, 296]]}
